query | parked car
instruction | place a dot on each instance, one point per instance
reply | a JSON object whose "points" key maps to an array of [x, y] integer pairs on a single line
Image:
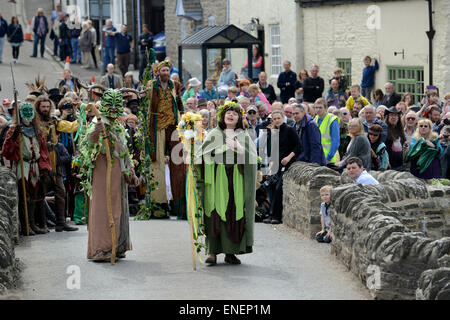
{"points": [[159, 44]]}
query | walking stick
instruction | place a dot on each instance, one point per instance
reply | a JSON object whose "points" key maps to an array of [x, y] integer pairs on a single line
{"points": [[19, 141], [108, 187]]}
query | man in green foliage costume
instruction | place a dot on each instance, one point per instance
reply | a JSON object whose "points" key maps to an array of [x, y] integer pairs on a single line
{"points": [[94, 173], [226, 179]]}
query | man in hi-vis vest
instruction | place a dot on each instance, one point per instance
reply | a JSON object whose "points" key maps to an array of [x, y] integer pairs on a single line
{"points": [[329, 129]]}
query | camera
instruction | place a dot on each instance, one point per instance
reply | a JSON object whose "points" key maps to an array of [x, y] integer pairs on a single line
{"points": [[270, 182]]}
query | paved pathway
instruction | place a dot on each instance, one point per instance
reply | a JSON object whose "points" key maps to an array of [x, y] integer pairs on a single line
{"points": [[284, 265]]}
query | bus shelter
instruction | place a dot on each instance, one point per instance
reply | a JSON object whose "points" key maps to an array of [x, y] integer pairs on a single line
{"points": [[197, 53]]}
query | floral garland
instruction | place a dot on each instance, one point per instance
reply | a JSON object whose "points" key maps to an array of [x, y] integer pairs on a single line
{"points": [[190, 128], [229, 105], [191, 131]]}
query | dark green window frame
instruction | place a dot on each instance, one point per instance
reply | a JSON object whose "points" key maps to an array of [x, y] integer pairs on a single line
{"points": [[407, 79], [346, 66]]}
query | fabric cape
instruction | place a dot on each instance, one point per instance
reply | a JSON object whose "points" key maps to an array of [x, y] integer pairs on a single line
{"points": [[423, 153], [212, 182]]}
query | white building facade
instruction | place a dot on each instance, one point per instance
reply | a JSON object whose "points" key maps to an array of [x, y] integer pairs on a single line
{"points": [[340, 33]]}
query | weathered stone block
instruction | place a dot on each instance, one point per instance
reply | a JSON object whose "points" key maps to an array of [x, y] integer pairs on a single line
{"points": [[434, 285], [411, 206], [9, 228], [428, 204], [436, 193]]}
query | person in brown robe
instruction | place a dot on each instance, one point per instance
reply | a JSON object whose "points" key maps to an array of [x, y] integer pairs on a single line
{"points": [[99, 239], [165, 109]]}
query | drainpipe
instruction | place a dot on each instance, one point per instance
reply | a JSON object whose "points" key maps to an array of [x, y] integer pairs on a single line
{"points": [[430, 33], [227, 21]]}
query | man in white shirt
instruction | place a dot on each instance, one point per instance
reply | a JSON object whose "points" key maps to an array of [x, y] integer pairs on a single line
{"points": [[357, 173]]}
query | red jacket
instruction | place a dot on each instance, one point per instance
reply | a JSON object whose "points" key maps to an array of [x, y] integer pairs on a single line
{"points": [[11, 150]]}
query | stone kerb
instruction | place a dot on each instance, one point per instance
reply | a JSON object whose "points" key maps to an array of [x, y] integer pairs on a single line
{"points": [[370, 239], [9, 230], [301, 197]]}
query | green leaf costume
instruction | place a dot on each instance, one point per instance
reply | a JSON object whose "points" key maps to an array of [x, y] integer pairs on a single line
{"points": [[227, 184]]}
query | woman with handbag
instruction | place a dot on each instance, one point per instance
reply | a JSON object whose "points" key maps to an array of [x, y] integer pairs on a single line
{"points": [[15, 37]]}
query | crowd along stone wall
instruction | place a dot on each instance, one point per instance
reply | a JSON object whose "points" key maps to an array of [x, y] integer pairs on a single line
{"points": [[392, 236], [9, 229]]}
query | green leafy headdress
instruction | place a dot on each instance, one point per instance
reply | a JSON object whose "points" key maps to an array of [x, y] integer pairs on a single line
{"points": [[112, 98], [228, 106]]}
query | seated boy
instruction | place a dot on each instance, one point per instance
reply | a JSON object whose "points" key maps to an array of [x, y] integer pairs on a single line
{"points": [[325, 234], [232, 93]]}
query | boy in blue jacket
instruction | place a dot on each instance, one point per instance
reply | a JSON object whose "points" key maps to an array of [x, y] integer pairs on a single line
{"points": [[368, 77]]}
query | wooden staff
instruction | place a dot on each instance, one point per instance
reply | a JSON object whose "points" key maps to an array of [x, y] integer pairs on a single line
{"points": [[22, 171], [108, 187]]}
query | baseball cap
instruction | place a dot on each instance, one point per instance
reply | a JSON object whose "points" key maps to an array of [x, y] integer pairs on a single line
{"points": [[252, 108]]}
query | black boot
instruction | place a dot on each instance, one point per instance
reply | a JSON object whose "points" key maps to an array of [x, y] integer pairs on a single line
{"points": [[231, 259], [65, 227], [33, 225]]}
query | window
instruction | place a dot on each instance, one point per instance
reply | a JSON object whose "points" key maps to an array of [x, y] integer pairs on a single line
{"points": [[275, 49], [407, 79], [346, 66]]}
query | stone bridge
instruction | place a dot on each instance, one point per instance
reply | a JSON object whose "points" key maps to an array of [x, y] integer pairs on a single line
{"points": [[393, 236]]}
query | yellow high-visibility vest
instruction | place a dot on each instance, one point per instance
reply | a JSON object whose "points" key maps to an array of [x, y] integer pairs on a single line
{"points": [[326, 134]]}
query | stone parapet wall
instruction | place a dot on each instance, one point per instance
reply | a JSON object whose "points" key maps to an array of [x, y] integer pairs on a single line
{"points": [[301, 197], [9, 229], [392, 235]]}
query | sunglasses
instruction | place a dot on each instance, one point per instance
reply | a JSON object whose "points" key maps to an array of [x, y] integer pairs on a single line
{"points": [[373, 134], [410, 119], [345, 114], [251, 112], [424, 126]]}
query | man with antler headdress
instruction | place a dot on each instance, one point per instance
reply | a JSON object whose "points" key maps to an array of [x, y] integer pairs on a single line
{"points": [[165, 108], [108, 211]]}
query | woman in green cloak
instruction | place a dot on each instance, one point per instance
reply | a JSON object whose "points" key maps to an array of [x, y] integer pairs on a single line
{"points": [[226, 179]]}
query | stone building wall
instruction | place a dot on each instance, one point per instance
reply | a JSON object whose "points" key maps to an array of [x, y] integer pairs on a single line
{"points": [[9, 229], [345, 31], [392, 236]]}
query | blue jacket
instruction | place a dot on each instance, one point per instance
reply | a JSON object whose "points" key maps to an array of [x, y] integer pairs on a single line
{"points": [[379, 122], [209, 95], [311, 144], [227, 76], [3, 27], [16, 36], [110, 41], [369, 75], [123, 42]]}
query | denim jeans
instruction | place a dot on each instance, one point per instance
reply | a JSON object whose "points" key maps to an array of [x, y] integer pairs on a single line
{"points": [[142, 64], [55, 45], [38, 39], [108, 57], [366, 92], [76, 51], [2, 43]]}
